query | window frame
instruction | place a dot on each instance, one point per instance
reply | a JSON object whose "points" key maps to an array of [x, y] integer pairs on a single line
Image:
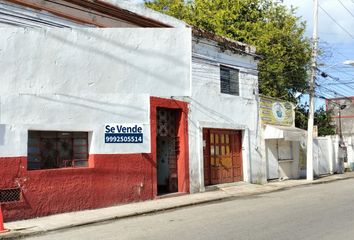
{"points": [[285, 145], [37, 139], [228, 90]]}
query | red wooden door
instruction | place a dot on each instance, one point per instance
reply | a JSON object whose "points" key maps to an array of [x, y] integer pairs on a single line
{"points": [[222, 156]]}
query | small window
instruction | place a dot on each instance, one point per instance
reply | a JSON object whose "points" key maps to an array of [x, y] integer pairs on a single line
{"points": [[285, 151], [50, 149], [229, 80]]}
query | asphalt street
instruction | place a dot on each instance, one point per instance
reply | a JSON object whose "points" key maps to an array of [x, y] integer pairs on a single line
{"points": [[323, 211]]}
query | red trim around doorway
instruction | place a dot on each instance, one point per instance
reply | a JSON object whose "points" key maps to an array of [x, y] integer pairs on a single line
{"points": [[182, 159], [110, 179]]}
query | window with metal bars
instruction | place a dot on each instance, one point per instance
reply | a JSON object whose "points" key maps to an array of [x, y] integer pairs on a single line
{"points": [[53, 149], [10, 195], [229, 80]]}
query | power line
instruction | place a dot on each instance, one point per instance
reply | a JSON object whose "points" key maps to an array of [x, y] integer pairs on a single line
{"points": [[335, 90], [343, 83], [338, 90], [347, 73], [336, 94], [335, 21], [325, 75], [346, 8]]}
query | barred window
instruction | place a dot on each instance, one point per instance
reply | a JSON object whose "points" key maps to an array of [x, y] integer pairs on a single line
{"points": [[229, 80], [52, 149]]}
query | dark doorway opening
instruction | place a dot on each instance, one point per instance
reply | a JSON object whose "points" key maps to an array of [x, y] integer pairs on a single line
{"points": [[167, 150]]}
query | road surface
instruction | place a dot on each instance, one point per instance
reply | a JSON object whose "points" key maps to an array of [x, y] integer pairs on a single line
{"points": [[324, 211]]}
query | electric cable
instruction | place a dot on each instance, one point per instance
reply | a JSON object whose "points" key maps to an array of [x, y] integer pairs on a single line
{"points": [[335, 21]]}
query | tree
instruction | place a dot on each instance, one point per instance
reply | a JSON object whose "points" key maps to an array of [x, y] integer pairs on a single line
{"points": [[301, 116], [271, 27], [322, 119], [324, 122]]}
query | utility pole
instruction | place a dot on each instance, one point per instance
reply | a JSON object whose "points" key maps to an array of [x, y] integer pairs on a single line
{"points": [[342, 147], [309, 156]]}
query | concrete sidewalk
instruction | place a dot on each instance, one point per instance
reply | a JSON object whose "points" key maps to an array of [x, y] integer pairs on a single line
{"points": [[228, 191]]}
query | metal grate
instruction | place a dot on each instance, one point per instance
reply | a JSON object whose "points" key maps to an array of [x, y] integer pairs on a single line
{"points": [[10, 195], [166, 122]]}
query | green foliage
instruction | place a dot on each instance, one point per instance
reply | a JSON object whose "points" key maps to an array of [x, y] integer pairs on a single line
{"points": [[301, 116], [323, 120], [271, 27]]}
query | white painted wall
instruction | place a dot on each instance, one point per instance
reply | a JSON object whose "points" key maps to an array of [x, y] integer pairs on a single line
{"points": [[78, 80], [328, 155], [323, 156], [271, 156], [76, 61], [349, 141], [284, 168], [209, 108]]}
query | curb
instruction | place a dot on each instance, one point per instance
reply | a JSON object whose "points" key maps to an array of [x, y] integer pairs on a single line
{"points": [[18, 234]]}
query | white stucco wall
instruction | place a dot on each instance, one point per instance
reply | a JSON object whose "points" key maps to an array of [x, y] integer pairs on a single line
{"points": [[323, 156], [209, 108], [96, 60], [78, 80], [349, 141]]}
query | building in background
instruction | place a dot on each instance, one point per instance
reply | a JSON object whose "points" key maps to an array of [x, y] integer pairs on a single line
{"points": [[343, 119]]}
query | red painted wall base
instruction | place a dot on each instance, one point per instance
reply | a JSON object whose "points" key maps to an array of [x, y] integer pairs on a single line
{"points": [[111, 178], [115, 179]]}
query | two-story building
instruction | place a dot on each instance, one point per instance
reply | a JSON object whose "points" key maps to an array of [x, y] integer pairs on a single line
{"points": [[223, 119]]}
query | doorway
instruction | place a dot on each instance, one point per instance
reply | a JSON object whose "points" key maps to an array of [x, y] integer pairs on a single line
{"points": [[222, 152], [167, 150], [272, 159]]}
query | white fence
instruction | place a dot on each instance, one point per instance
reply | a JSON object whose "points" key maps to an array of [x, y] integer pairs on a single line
{"points": [[325, 155]]}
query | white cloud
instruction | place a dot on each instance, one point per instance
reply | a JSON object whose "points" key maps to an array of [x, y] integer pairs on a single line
{"points": [[328, 30]]}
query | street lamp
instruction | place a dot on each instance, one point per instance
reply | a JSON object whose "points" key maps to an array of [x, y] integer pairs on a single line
{"points": [[349, 62]]}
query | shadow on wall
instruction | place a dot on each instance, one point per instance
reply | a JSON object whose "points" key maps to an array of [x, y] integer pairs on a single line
{"points": [[88, 103], [146, 52], [152, 55], [209, 112], [2, 134]]}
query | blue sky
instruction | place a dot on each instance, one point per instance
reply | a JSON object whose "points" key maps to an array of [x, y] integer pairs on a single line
{"points": [[336, 39]]}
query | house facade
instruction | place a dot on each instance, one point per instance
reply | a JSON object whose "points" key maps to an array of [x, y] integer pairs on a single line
{"points": [[82, 108], [283, 146], [110, 103], [223, 121]]}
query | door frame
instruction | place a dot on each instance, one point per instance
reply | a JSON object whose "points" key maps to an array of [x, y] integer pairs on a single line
{"points": [[237, 133], [182, 134]]}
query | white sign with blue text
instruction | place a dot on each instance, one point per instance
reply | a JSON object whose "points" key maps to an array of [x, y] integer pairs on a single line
{"points": [[123, 133]]}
